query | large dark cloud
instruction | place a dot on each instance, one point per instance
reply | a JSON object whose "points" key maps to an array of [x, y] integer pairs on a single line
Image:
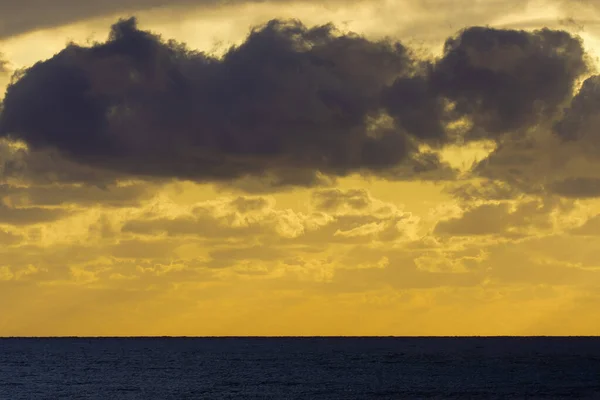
{"points": [[289, 104], [48, 166], [501, 81], [560, 156], [581, 118], [288, 98], [506, 80]]}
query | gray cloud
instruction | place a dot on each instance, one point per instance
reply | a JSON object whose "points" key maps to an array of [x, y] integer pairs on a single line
{"points": [[502, 81], [579, 118], [559, 157], [47, 167], [291, 106], [289, 97], [506, 80]]}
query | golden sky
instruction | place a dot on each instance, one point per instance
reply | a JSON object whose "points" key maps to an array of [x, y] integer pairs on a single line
{"points": [[379, 167]]}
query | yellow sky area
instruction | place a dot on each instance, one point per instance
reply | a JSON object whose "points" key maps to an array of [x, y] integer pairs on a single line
{"points": [[365, 257], [254, 308], [361, 259]]}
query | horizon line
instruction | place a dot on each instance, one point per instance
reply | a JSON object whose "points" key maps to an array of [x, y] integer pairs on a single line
{"points": [[302, 337]]}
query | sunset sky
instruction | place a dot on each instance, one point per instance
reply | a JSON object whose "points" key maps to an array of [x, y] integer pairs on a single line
{"points": [[388, 167]]}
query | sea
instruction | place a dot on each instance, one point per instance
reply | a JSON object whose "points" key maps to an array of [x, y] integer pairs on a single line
{"points": [[300, 368]]}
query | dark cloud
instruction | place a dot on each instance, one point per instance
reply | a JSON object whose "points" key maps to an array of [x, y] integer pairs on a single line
{"points": [[291, 106], [289, 97], [526, 164], [500, 81], [580, 120], [47, 167], [424, 166], [417, 108], [277, 181], [559, 157], [506, 80]]}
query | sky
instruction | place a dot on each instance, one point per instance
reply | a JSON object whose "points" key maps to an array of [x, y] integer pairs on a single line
{"points": [[382, 167]]}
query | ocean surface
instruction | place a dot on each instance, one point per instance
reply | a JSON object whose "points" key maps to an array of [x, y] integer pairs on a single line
{"points": [[300, 368]]}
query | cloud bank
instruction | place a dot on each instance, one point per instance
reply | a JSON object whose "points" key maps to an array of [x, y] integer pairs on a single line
{"points": [[292, 103]]}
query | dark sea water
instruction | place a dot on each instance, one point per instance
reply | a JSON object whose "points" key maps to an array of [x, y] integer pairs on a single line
{"points": [[300, 368]]}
